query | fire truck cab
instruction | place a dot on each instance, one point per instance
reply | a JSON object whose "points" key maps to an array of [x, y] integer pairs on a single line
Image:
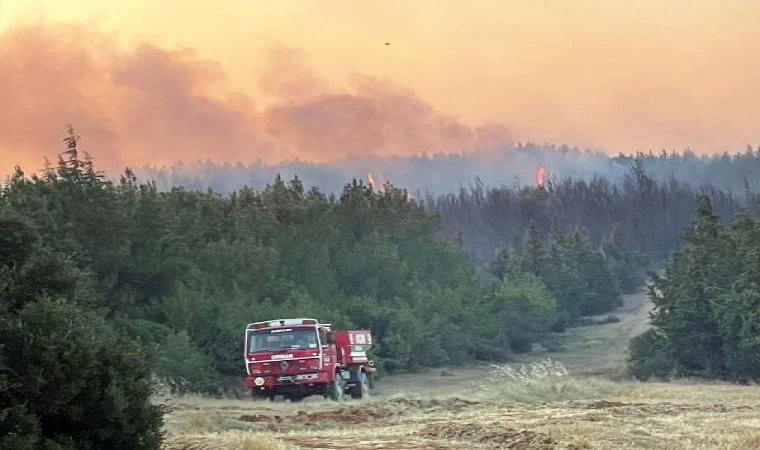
{"points": [[297, 358]]}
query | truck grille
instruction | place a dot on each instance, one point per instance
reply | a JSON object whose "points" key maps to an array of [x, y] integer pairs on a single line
{"points": [[290, 366], [293, 378]]}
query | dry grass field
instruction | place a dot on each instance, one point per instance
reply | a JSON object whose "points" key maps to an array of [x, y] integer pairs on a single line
{"points": [[578, 399]]}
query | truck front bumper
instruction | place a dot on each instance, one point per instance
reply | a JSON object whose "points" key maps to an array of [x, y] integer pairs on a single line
{"points": [[270, 381]]}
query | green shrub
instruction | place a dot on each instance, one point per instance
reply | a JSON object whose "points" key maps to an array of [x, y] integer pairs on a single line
{"points": [[183, 367], [69, 381], [525, 309], [649, 358]]}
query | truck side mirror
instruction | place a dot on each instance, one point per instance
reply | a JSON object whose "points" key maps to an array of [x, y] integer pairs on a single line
{"points": [[330, 338]]}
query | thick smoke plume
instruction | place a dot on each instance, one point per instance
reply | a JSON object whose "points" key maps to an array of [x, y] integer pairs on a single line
{"points": [[149, 105]]}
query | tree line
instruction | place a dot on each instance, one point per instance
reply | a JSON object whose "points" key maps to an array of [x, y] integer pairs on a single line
{"points": [[731, 172], [435, 175]]}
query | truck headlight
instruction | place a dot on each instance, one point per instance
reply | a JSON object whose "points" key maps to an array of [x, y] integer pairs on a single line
{"points": [[258, 381]]}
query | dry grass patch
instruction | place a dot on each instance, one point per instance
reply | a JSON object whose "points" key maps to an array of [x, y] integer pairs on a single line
{"points": [[691, 391], [227, 440], [615, 415], [493, 434], [541, 381]]}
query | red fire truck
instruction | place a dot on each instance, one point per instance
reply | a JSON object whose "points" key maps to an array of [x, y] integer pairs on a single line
{"points": [[297, 358]]}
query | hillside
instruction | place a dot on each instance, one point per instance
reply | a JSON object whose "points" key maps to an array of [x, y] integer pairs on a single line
{"points": [[468, 409]]}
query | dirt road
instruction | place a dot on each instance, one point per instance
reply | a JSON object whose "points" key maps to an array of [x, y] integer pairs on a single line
{"points": [[602, 350]]}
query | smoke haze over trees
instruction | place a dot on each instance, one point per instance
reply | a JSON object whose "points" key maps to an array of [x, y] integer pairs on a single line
{"points": [[644, 214], [150, 88], [144, 97], [445, 173], [486, 199]]}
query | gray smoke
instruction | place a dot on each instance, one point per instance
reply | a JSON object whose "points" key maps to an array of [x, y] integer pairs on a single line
{"points": [[441, 174], [435, 174]]}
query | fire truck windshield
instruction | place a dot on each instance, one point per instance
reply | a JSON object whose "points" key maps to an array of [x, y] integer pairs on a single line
{"points": [[283, 339]]}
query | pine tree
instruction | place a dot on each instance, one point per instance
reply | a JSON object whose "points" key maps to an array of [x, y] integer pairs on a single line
{"points": [[704, 317]]}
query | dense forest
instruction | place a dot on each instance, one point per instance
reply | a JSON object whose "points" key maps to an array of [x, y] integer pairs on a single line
{"points": [[646, 214], [171, 277], [186, 270], [487, 199]]}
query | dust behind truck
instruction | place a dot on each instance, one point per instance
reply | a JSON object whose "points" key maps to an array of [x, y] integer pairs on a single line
{"points": [[297, 358]]}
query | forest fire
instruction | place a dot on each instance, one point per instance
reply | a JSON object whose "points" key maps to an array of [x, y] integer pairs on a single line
{"points": [[376, 182], [540, 175]]}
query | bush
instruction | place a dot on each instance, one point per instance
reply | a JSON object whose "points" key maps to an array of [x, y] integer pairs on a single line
{"points": [[649, 358], [525, 309], [182, 367], [69, 381]]}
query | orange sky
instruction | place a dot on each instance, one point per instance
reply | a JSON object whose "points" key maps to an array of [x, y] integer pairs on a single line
{"points": [[151, 81]]}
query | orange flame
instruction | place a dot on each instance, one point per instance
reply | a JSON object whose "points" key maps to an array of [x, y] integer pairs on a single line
{"points": [[540, 175], [379, 184]]}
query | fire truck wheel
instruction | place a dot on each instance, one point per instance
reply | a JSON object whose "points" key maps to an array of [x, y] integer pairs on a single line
{"points": [[336, 389], [361, 390]]}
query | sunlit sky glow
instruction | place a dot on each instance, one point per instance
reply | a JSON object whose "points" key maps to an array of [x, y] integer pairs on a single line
{"points": [[148, 81]]}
